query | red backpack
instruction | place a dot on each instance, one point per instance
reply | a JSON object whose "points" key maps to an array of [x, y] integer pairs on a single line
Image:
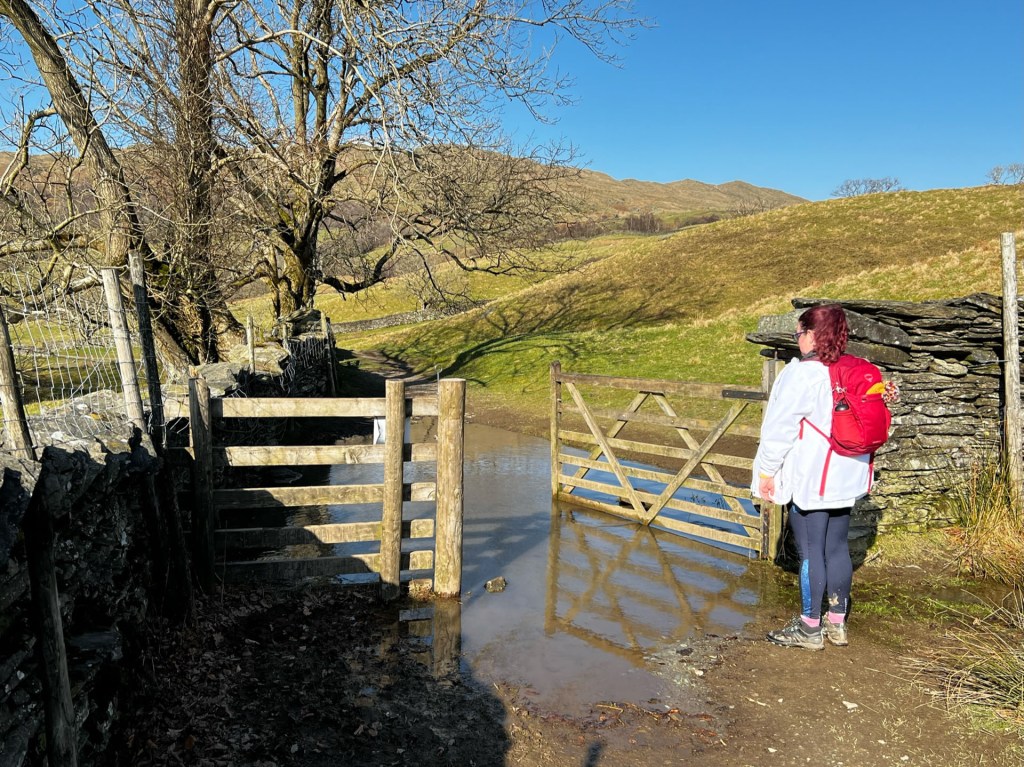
{"points": [[860, 415]]}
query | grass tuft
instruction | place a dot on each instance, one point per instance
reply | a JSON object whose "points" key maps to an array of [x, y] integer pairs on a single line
{"points": [[989, 533], [978, 666]]}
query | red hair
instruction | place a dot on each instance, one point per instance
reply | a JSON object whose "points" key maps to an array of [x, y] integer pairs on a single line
{"points": [[831, 332]]}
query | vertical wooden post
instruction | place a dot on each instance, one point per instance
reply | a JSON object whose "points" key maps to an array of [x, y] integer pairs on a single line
{"points": [[204, 518], [156, 398], [123, 344], [15, 424], [772, 514], [391, 517], [451, 396], [61, 737], [250, 341], [325, 326], [556, 412], [1011, 378]]}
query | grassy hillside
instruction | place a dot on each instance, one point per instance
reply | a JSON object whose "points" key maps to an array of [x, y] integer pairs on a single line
{"points": [[679, 306], [604, 194]]}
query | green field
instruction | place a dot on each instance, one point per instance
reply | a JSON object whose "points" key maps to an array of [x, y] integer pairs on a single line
{"points": [[679, 306]]}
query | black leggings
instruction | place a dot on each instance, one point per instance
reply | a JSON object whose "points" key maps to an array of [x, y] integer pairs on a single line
{"points": [[821, 537]]}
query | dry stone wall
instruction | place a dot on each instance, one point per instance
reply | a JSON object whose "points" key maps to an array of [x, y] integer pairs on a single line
{"points": [[108, 494], [946, 357]]}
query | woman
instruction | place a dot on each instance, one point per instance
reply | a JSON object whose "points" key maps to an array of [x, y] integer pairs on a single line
{"points": [[790, 467]]}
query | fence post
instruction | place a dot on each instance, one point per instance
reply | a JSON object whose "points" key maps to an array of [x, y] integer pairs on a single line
{"points": [[250, 341], [771, 513], [15, 424], [1011, 379], [451, 404], [325, 325], [556, 412], [156, 398], [61, 737], [391, 517], [122, 341], [204, 520]]}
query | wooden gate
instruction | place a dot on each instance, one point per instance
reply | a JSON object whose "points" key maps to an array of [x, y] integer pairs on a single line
{"points": [[707, 497], [431, 543]]}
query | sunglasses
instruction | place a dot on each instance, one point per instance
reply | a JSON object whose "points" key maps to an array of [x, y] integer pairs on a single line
{"points": [[797, 334]]}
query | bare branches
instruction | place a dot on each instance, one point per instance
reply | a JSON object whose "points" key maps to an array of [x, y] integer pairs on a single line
{"points": [[854, 187]]}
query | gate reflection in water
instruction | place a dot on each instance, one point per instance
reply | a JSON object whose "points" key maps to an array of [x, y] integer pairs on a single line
{"points": [[593, 603]]}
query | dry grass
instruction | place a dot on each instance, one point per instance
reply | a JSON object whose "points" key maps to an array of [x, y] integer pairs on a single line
{"points": [[978, 666], [989, 532]]}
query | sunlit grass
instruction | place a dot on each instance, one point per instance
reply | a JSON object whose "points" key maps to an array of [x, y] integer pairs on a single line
{"points": [[680, 306]]}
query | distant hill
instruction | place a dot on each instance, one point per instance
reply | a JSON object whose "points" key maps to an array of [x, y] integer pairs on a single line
{"points": [[605, 195]]}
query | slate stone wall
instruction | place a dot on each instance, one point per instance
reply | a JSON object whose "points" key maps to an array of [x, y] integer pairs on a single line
{"points": [[946, 357]]}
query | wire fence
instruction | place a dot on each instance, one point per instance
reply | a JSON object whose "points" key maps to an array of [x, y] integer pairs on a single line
{"points": [[65, 368], [64, 356]]}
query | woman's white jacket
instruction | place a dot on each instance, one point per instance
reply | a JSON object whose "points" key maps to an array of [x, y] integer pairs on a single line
{"points": [[795, 454]]}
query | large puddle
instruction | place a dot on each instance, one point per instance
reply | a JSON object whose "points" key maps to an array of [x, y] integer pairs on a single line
{"points": [[595, 608]]}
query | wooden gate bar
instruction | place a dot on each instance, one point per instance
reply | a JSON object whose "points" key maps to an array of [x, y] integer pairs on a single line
{"points": [[719, 459], [661, 477], [316, 495], [613, 462], [316, 407]]}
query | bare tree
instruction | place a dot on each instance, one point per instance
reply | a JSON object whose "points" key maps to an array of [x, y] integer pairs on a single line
{"points": [[351, 115], [301, 142], [1006, 174], [118, 232], [752, 205], [854, 187]]}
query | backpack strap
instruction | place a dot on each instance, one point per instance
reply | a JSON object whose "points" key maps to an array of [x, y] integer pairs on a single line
{"points": [[824, 470], [828, 458], [828, 455]]}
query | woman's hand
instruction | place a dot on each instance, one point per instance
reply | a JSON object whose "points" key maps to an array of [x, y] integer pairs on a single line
{"points": [[766, 488]]}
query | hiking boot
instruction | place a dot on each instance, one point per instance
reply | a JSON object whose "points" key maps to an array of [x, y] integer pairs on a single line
{"points": [[834, 632], [796, 633]]}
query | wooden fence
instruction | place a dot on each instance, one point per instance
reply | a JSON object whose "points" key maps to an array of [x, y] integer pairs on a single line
{"points": [[210, 457], [708, 497]]}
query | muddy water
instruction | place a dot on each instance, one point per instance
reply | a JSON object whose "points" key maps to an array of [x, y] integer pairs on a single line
{"points": [[595, 608]]}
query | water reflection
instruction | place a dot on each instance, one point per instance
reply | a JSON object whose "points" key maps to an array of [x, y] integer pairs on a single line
{"points": [[596, 606], [591, 599], [625, 588]]}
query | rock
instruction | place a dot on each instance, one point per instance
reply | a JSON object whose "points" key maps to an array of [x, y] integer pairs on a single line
{"points": [[495, 585]]}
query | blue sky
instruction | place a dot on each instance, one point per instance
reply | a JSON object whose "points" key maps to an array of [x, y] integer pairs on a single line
{"points": [[800, 96]]}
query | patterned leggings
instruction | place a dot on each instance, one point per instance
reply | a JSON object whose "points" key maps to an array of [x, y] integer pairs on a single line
{"points": [[821, 537]]}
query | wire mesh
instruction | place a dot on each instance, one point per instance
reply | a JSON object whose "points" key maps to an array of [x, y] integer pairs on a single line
{"points": [[65, 357]]}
